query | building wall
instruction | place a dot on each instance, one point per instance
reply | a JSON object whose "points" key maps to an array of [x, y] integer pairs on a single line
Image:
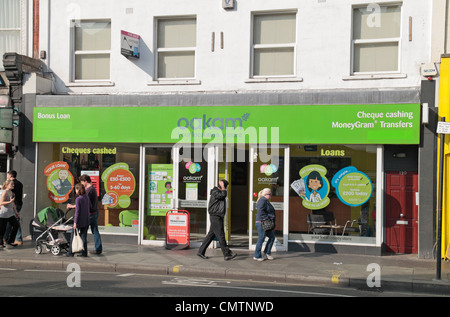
{"points": [[323, 58], [323, 50]]}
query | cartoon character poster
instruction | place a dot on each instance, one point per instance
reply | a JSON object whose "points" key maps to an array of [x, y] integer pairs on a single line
{"points": [[60, 181], [313, 187]]}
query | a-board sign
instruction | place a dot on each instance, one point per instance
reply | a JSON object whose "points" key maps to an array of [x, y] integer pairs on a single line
{"points": [[177, 229]]}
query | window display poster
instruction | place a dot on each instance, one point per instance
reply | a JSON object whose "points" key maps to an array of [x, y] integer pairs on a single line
{"points": [[191, 191], [353, 187], [313, 187], [95, 179], [119, 185], [160, 191], [60, 181]]}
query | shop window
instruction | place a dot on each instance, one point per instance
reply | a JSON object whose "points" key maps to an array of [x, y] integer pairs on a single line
{"points": [[114, 172], [273, 45], [332, 193], [92, 50], [268, 171], [376, 38], [176, 45], [160, 193]]}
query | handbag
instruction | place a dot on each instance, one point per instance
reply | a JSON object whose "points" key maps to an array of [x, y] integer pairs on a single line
{"points": [[77, 242], [268, 224]]}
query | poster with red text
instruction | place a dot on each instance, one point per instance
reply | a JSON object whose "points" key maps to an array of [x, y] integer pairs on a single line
{"points": [[95, 179], [119, 185]]}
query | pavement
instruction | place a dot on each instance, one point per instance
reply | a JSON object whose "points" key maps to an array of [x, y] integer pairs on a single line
{"points": [[402, 273]]}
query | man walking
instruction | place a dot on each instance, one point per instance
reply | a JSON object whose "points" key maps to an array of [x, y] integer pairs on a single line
{"points": [[93, 214], [216, 209]]}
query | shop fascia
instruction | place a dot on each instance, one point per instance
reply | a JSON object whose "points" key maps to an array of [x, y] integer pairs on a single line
{"points": [[260, 125]]}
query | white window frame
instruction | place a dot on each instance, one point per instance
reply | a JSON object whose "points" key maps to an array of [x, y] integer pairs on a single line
{"points": [[23, 31], [74, 54], [179, 80], [273, 78], [397, 40]]}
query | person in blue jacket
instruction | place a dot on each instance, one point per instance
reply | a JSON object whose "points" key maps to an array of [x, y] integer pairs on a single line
{"points": [[265, 211]]}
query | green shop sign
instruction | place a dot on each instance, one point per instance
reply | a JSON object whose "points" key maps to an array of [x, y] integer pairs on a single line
{"points": [[286, 124]]}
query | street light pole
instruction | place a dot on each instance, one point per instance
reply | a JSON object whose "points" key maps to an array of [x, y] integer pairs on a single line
{"points": [[439, 211]]}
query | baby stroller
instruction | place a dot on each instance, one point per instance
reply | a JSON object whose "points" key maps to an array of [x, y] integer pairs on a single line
{"points": [[53, 224]]}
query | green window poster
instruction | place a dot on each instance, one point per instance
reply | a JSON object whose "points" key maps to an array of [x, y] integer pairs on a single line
{"points": [[160, 191]]}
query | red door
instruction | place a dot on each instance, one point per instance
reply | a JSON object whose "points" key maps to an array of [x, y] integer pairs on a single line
{"points": [[401, 212]]}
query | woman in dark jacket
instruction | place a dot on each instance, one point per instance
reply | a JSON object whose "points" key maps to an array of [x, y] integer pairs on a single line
{"points": [[81, 218], [265, 211]]}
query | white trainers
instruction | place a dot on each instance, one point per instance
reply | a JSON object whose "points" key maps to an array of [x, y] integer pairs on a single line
{"points": [[258, 259], [269, 257]]}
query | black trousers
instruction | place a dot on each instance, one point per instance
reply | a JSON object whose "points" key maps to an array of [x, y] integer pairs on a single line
{"points": [[15, 226], [216, 230]]}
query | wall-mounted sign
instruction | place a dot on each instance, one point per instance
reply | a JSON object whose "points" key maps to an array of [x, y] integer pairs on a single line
{"points": [[5, 148], [4, 101], [428, 69], [443, 127], [129, 44], [228, 4]]}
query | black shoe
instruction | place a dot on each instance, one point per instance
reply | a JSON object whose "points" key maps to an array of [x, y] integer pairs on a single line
{"points": [[230, 256], [202, 256], [69, 254]]}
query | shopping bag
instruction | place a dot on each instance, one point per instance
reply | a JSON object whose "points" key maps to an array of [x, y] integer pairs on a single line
{"points": [[77, 242]]}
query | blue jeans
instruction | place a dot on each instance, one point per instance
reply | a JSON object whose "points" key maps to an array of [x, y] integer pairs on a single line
{"points": [[261, 236], [94, 229]]}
